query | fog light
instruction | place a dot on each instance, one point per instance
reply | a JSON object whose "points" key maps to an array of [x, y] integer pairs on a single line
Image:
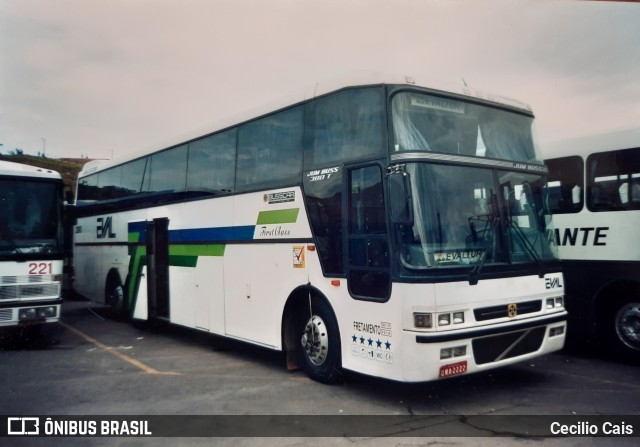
{"points": [[444, 319], [458, 317], [559, 301], [422, 320], [46, 312], [446, 353], [550, 303], [559, 330], [459, 351], [26, 314]]}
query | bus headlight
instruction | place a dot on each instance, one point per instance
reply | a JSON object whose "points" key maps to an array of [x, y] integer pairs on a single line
{"points": [[422, 320], [27, 314], [554, 303]]}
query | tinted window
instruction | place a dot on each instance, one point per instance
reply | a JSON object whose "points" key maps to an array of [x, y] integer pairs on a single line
{"points": [[132, 175], [614, 180], [369, 276], [166, 171], [88, 188], [565, 184], [345, 126], [212, 162], [324, 205], [270, 151], [438, 124]]}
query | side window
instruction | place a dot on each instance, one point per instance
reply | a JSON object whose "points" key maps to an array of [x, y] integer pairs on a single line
{"points": [[323, 197], [344, 126], [132, 175], [88, 188], [270, 151], [369, 276], [565, 185], [614, 180], [212, 163], [166, 171], [109, 183]]}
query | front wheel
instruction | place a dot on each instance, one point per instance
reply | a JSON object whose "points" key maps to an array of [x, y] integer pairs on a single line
{"points": [[320, 342]]}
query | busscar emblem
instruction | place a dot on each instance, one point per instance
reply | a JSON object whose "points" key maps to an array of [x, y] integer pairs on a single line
{"points": [[512, 310]]}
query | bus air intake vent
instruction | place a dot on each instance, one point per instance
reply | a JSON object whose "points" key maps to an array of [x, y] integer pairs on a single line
{"points": [[493, 312], [505, 346], [29, 291]]}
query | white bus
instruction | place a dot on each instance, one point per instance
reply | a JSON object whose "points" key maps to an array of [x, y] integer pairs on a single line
{"points": [[31, 250], [594, 190], [378, 227]]}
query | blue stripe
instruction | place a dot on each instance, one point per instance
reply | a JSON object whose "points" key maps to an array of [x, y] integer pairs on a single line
{"points": [[219, 234], [215, 234]]}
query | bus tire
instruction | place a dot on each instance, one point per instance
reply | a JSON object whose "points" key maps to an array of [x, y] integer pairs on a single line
{"points": [[624, 330], [115, 297], [320, 342]]}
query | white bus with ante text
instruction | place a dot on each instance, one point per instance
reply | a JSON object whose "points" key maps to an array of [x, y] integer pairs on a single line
{"points": [[594, 191], [381, 227], [31, 250]]}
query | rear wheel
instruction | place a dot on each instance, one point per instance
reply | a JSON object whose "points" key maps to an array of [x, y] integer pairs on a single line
{"points": [[626, 330], [320, 343], [115, 298]]}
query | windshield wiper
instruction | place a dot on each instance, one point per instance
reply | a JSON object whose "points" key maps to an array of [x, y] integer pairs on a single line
{"points": [[492, 221], [528, 246]]}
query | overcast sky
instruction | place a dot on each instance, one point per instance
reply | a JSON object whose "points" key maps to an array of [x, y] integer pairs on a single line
{"points": [[102, 78]]}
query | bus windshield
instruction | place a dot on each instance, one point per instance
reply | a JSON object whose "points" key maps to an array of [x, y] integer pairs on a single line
{"points": [[29, 217], [465, 216], [431, 123]]}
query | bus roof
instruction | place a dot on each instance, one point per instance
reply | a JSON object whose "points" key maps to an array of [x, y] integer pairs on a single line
{"points": [[585, 145], [320, 88], [8, 168]]}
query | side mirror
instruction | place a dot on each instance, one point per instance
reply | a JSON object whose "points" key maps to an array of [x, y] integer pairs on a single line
{"points": [[68, 197], [400, 198]]}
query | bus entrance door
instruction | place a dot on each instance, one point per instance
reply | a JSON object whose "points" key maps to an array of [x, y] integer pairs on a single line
{"points": [[158, 268]]}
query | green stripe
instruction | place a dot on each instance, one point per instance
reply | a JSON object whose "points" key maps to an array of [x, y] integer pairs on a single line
{"points": [[278, 216], [197, 250]]}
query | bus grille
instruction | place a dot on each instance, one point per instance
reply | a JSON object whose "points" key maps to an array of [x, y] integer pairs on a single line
{"points": [[493, 312], [27, 279], [6, 314], [506, 346], [29, 291]]}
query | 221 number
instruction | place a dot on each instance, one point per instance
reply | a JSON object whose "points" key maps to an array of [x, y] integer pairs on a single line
{"points": [[42, 268]]}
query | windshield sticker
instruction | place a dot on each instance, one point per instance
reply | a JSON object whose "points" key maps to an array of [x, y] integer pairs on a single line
{"points": [[458, 257], [429, 102]]}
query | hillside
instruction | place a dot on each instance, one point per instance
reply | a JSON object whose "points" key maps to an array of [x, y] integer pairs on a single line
{"points": [[67, 167]]}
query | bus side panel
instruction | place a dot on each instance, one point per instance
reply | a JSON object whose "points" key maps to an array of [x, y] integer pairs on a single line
{"points": [[197, 295], [259, 275], [88, 258], [596, 236], [370, 333]]}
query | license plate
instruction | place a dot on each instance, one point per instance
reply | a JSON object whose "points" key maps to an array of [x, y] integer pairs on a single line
{"points": [[454, 369]]}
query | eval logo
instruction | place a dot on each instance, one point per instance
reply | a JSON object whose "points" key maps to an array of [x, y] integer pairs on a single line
{"points": [[104, 230], [552, 283]]}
